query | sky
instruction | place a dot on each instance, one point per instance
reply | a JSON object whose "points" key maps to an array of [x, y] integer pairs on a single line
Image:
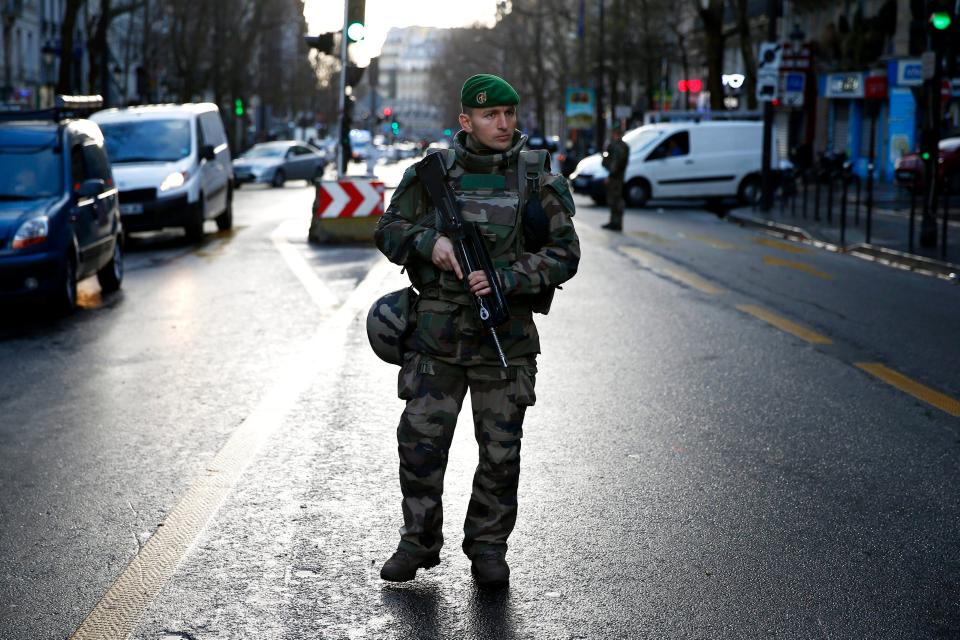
{"points": [[382, 15]]}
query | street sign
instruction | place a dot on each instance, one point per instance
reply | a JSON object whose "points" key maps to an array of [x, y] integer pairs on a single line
{"points": [[793, 87], [580, 107], [349, 199], [622, 111], [768, 71]]}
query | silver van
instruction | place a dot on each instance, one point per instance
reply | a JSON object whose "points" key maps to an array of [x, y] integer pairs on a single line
{"points": [[172, 165]]}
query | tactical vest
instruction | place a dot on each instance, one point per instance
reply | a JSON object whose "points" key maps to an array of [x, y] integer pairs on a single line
{"points": [[494, 203]]}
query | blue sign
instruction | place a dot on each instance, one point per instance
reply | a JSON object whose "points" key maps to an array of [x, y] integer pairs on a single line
{"points": [[909, 72], [901, 125], [580, 108], [794, 82]]}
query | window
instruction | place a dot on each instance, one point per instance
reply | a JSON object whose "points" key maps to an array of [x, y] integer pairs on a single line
{"points": [[213, 131], [676, 145], [95, 161], [78, 170]]}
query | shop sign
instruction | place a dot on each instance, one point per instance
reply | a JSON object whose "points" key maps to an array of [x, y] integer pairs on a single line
{"points": [[844, 85], [875, 88], [793, 85], [909, 72]]}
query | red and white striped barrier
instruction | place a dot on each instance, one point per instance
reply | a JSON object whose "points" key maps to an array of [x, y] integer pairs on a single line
{"points": [[349, 199]]}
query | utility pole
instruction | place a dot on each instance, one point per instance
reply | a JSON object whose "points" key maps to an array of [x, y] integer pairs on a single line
{"points": [[341, 114], [766, 194], [601, 124]]}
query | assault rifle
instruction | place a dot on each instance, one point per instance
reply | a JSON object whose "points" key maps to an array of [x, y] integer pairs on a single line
{"points": [[470, 247]]}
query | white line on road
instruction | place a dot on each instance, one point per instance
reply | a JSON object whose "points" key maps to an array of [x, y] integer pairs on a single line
{"points": [[117, 614], [321, 294]]}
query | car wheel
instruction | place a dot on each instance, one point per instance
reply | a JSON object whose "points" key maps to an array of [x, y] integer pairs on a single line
{"points": [[225, 219], [194, 229], [749, 191], [637, 193], [318, 175], [110, 276], [599, 200], [279, 178], [65, 300], [238, 185]]}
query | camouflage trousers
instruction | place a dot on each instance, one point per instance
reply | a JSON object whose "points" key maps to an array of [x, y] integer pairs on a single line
{"points": [[615, 200], [434, 392]]}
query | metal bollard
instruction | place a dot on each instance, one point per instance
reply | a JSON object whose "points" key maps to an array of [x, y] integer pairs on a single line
{"points": [[793, 195], [806, 192], [913, 211], [816, 197], [843, 214], [856, 210], [946, 216], [869, 202], [830, 180]]}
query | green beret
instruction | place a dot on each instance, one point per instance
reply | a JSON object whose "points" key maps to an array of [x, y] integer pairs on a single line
{"points": [[487, 90]]}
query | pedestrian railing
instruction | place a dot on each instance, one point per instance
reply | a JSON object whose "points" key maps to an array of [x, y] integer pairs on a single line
{"points": [[832, 197]]}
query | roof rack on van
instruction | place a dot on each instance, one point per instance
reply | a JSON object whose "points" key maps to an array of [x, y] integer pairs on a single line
{"points": [[653, 117], [64, 107]]}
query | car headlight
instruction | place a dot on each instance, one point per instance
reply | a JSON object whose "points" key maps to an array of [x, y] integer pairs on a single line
{"points": [[174, 180], [31, 232]]}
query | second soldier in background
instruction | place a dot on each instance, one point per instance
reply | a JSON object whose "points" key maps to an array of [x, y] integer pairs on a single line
{"points": [[615, 160]]}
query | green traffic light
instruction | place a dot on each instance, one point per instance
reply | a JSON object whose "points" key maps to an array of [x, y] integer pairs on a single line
{"points": [[238, 107], [447, 132], [356, 31], [940, 20], [925, 155]]}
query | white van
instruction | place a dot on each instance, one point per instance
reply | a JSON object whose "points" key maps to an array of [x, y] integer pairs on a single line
{"points": [[172, 166], [713, 159]]}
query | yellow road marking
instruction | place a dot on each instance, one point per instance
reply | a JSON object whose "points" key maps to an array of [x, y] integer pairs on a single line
{"points": [[694, 281], [716, 243], [907, 385], [649, 260], [652, 237], [783, 246], [799, 266], [784, 324]]}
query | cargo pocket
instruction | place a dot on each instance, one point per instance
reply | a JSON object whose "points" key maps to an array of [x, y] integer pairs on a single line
{"points": [[408, 382], [523, 392]]}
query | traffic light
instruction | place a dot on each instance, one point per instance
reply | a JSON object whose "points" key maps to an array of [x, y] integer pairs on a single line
{"points": [[940, 22], [238, 107], [322, 43], [387, 112], [356, 14], [395, 128]]}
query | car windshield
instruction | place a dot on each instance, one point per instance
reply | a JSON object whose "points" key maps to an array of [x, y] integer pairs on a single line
{"points": [[640, 138], [265, 152], [147, 140], [950, 144], [27, 173]]}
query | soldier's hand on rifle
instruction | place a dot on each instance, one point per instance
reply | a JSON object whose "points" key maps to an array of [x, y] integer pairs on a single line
{"points": [[479, 285], [445, 257]]}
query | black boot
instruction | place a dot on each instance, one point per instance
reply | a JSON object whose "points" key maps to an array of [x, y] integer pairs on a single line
{"points": [[490, 569], [613, 227], [402, 566]]}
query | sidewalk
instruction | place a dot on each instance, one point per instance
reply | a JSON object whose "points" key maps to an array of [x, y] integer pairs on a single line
{"points": [[889, 233]]}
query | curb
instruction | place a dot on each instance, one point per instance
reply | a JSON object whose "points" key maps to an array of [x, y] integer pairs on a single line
{"points": [[873, 253]]}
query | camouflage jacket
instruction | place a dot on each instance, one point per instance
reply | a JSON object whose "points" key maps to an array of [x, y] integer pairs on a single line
{"points": [[615, 159], [486, 183]]}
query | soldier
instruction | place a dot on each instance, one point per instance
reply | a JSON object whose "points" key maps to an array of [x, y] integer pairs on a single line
{"points": [[615, 160], [447, 352]]}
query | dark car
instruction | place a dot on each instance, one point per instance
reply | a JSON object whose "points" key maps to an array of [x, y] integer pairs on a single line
{"points": [[59, 215], [909, 169]]}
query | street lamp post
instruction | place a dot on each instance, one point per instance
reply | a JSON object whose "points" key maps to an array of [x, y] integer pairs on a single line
{"points": [[47, 55]]}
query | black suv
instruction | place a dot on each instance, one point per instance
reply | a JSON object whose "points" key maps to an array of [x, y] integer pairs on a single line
{"points": [[59, 215]]}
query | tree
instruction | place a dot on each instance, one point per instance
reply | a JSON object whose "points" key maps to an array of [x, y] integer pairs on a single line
{"points": [[68, 27], [711, 15]]}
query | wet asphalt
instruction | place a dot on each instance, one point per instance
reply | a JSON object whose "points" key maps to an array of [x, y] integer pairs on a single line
{"points": [[688, 470]]}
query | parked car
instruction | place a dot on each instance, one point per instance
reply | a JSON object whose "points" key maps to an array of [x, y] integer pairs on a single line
{"points": [[59, 215], [172, 165], [276, 162], [683, 160], [909, 170]]}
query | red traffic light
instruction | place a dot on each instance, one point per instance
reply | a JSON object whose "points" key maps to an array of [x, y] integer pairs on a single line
{"points": [[387, 112]]}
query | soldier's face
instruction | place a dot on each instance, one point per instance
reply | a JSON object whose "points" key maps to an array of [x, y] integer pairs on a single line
{"points": [[492, 127]]}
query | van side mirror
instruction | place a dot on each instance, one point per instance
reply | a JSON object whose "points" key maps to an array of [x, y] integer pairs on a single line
{"points": [[91, 188], [207, 152]]}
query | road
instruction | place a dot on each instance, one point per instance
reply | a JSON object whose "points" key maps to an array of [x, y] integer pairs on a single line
{"points": [[735, 436]]}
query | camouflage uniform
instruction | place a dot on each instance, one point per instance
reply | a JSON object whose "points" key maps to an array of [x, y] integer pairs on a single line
{"points": [[448, 352], [615, 161]]}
